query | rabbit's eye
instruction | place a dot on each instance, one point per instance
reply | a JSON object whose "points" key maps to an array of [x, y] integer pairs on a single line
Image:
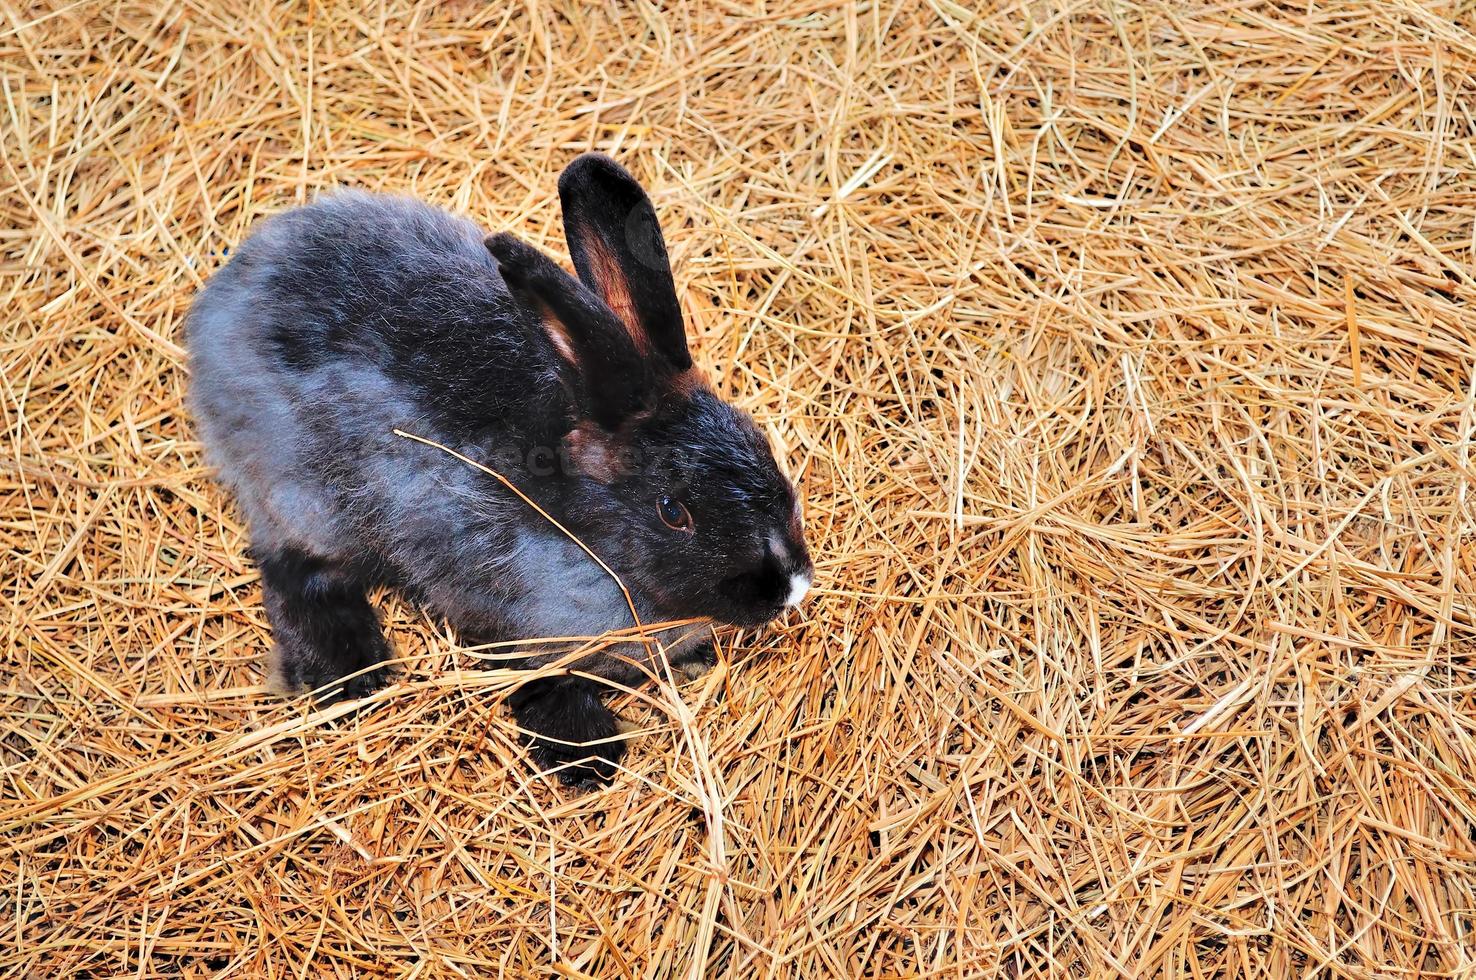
{"points": [[673, 514]]}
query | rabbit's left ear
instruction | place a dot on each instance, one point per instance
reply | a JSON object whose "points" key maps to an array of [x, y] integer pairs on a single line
{"points": [[619, 253], [612, 377]]}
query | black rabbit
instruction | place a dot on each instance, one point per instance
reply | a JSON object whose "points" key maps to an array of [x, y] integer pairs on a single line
{"points": [[336, 323]]}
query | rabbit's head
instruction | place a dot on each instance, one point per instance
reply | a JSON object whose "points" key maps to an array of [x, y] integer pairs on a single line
{"points": [[673, 487]]}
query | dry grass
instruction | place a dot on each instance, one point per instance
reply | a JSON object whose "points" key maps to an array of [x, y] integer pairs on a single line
{"points": [[1128, 357]]}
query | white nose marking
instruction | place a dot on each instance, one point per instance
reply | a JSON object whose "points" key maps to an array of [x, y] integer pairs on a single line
{"points": [[798, 586]]}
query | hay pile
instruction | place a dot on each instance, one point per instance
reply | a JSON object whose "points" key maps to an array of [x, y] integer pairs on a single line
{"points": [[1127, 357]]}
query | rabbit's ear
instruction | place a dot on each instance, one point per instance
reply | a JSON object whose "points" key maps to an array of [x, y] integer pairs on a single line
{"points": [[619, 253], [613, 376]]}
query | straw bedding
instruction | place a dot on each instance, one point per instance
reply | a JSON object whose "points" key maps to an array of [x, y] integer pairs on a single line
{"points": [[1125, 355]]}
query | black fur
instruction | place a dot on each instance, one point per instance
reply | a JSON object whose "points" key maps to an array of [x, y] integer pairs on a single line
{"points": [[605, 208], [336, 323], [323, 625], [698, 659], [611, 375], [378, 281], [714, 459], [569, 730]]}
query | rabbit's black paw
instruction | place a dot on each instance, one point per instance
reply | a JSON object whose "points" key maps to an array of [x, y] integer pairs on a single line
{"points": [[570, 731], [324, 628], [701, 659], [291, 674]]}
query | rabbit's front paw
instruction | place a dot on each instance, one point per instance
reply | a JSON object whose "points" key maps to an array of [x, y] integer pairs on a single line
{"points": [[328, 637], [570, 731], [698, 662]]}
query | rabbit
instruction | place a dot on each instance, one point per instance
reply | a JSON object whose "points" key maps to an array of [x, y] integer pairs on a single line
{"points": [[338, 322]]}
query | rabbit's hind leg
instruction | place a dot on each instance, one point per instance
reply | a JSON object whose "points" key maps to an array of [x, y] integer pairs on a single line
{"points": [[323, 626]]}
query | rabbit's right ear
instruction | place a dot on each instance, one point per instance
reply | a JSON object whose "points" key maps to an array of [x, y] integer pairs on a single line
{"points": [[619, 253], [613, 377]]}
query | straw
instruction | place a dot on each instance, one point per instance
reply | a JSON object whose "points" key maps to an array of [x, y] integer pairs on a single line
{"points": [[1124, 354]]}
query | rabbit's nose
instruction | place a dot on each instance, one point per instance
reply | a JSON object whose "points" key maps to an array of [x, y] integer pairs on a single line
{"points": [[794, 564]]}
